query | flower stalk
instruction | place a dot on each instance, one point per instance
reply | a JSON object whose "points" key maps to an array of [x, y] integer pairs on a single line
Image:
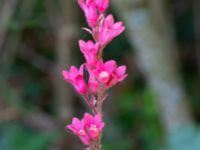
{"points": [[102, 75]]}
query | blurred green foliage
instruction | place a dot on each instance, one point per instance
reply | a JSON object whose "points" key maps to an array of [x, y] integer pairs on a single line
{"points": [[137, 122], [19, 137]]}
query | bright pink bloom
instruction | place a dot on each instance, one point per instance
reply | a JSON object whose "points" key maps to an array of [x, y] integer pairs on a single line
{"points": [[77, 127], [93, 125], [102, 5], [90, 10], [109, 74], [104, 71], [76, 78], [118, 76], [109, 30], [89, 50]]}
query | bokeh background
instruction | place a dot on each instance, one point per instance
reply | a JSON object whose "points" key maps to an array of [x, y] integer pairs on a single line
{"points": [[155, 108]]}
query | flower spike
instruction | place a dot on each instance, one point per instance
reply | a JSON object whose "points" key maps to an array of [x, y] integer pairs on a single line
{"points": [[101, 75]]}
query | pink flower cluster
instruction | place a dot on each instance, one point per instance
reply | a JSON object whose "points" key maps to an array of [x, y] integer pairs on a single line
{"points": [[87, 129], [102, 75]]}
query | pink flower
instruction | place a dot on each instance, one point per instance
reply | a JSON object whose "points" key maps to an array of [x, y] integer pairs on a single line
{"points": [[104, 71], [109, 74], [90, 10], [118, 76], [77, 127], [93, 125], [89, 50], [102, 5], [87, 129], [109, 30], [76, 78]]}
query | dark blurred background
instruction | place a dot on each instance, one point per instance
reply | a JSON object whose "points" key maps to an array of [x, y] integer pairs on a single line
{"points": [[156, 107]]}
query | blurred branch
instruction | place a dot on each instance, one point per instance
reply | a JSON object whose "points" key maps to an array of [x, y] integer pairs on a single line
{"points": [[6, 15], [65, 30], [62, 92], [63, 21], [157, 58]]}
